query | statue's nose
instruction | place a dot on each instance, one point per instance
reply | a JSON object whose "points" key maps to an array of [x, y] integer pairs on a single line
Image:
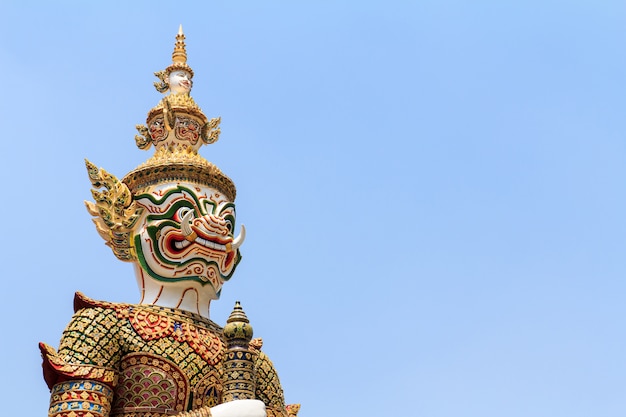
{"points": [[213, 218], [215, 223]]}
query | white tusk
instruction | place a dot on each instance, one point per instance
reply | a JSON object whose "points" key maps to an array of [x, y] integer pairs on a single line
{"points": [[239, 239], [185, 226]]}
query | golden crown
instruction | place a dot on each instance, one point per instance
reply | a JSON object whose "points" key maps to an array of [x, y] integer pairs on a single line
{"points": [[177, 128]]}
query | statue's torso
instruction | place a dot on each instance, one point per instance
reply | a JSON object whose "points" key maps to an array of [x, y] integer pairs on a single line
{"points": [[156, 361], [166, 360]]}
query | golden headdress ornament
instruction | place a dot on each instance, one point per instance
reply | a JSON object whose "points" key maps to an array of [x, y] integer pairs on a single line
{"points": [[177, 128]]}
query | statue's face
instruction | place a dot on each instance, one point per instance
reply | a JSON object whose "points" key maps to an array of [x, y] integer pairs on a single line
{"points": [[180, 82], [187, 235]]}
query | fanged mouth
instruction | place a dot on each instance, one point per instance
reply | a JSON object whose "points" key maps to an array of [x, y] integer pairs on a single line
{"points": [[180, 243], [193, 234]]}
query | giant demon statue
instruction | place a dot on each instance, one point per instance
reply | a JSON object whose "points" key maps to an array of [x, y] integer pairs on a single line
{"points": [[174, 218]]}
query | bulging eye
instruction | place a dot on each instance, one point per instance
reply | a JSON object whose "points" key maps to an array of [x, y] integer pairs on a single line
{"points": [[229, 226], [181, 212]]}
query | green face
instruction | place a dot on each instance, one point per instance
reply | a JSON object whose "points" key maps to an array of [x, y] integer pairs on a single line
{"points": [[187, 235]]}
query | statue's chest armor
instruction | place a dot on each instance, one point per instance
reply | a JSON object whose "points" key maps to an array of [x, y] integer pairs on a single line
{"points": [[169, 365]]}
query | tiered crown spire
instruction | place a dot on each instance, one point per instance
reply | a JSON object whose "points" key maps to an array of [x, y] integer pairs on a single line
{"points": [[179, 56], [177, 128]]}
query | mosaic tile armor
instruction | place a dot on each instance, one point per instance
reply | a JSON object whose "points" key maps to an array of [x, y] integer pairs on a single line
{"points": [[125, 360]]}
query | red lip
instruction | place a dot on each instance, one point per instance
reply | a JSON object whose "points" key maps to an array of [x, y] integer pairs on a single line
{"points": [[172, 239]]}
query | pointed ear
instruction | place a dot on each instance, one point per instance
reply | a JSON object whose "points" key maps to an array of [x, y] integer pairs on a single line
{"points": [[115, 212]]}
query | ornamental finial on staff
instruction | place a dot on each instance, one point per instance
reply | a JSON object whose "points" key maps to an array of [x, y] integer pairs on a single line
{"points": [[239, 374]]}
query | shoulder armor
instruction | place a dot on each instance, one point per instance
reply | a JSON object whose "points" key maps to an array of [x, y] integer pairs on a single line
{"points": [[56, 370], [82, 301]]}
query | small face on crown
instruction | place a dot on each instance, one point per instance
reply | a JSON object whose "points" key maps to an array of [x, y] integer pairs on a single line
{"points": [[180, 82]]}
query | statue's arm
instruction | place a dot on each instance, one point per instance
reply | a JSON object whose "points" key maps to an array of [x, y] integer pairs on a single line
{"points": [[81, 375], [268, 388]]}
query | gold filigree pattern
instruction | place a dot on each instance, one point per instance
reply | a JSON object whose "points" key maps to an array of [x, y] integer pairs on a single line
{"points": [[144, 138], [178, 103], [57, 368], [239, 376], [210, 131], [209, 391], [292, 409], [82, 398], [151, 325], [268, 388], [179, 163], [115, 213]]}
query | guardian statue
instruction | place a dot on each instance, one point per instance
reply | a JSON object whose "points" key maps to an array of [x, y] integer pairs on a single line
{"points": [[173, 217]]}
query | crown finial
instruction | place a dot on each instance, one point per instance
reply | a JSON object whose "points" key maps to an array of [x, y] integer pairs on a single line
{"points": [[180, 54], [179, 61], [177, 128]]}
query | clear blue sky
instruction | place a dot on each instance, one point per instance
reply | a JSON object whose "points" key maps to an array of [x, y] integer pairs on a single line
{"points": [[434, 191]]}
